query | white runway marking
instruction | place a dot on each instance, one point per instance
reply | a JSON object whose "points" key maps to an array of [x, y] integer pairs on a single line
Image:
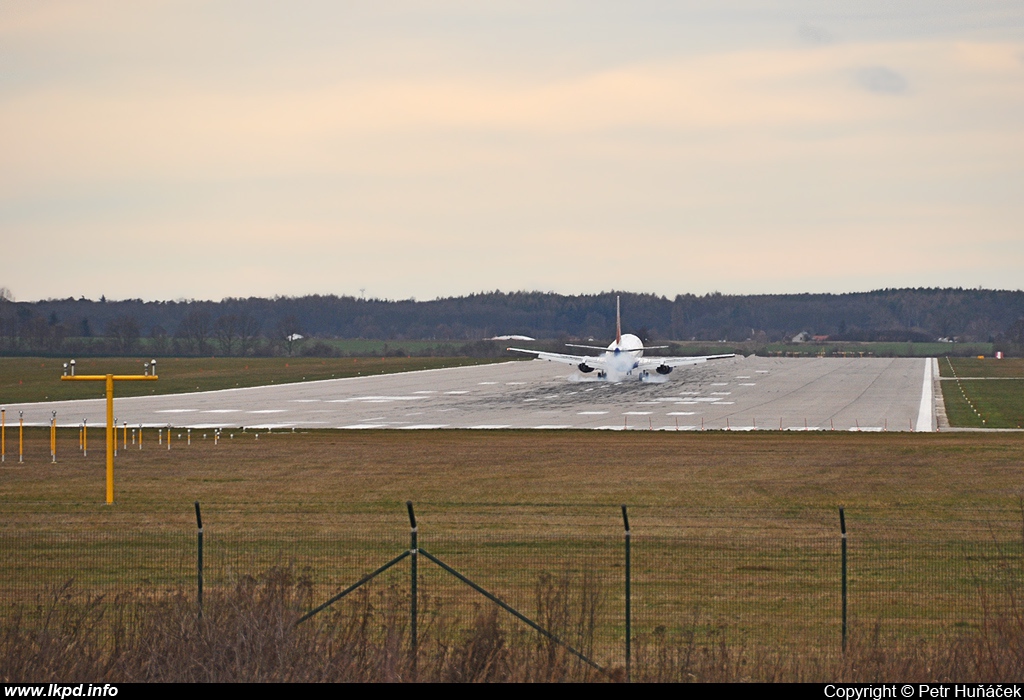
{"points": [[488, 427], [924, 412], [592, 413], [267, 410], [637, 413], [223, 410], [551, 427], [424, 426]]}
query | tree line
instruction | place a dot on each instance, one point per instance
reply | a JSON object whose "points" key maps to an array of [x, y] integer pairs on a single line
{"points": [[262, 326]]}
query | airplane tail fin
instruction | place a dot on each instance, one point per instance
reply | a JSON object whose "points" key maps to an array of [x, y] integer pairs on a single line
{"points": [[618, 323]]}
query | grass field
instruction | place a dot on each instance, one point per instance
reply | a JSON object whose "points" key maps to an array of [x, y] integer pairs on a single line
{"points": [[983, 393], [24, 379], [734, 532], [879, 349]]}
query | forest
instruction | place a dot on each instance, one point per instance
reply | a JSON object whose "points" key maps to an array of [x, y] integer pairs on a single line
{"points": [[261, 326]]}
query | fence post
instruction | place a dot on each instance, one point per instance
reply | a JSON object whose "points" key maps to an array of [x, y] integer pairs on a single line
{"points": [[842, 529], [414, 551], [629, 617], [199, 560]]}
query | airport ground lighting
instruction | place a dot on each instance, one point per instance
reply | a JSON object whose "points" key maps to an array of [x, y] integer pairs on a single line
{"points": [[150, 375]]}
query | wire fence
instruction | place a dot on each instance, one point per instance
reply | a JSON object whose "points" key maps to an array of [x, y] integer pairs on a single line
{"points": [[703, 580]]}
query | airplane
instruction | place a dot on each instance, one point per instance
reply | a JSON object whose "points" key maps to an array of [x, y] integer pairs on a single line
{"points": [[622, 359]]}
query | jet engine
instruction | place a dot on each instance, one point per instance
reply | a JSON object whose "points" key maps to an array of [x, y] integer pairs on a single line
{"points": [[584, 367], [663, 369]]}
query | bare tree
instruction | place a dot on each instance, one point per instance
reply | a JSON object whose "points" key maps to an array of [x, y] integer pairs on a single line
{"points": [[226, 331], [194, 331], [124, 332], [158, 340], [248, 331]]}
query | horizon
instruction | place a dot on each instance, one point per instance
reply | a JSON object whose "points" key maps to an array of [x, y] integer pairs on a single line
{"points": [[103, 299]]}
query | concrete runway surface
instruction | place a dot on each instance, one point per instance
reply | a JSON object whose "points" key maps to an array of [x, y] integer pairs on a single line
{"points": [[735, 394]]}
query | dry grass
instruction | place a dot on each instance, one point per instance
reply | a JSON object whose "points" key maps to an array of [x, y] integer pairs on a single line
{"points": [[717, 493], [248, 634], [359, 479]]}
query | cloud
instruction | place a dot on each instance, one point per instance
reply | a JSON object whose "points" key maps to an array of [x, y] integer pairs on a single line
{"points": [[882, 80], [811, 34]]}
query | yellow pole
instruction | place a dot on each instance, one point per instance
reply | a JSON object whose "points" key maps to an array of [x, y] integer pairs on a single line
{"points": [[109, 379], [126, 435], [21, 435], [110, 439], [53, 437]]}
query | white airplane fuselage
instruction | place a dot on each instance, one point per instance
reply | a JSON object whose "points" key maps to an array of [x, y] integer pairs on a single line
{"points": [[621, 357]]}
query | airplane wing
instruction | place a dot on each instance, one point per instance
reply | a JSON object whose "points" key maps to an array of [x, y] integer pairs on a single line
{"points": [[651, 362], [590, 360]]}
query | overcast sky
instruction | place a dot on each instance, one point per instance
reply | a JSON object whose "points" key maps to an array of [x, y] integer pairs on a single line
{"points": [[211, 148]]}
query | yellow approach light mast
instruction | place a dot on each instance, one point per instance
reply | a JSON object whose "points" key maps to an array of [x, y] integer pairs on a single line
{"points": [[149, 376]]}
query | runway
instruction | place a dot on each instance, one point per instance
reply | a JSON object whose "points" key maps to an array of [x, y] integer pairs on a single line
{"points": [[753, 393]]}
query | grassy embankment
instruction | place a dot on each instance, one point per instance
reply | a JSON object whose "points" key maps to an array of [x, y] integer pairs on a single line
{"points": [[983, 393]]}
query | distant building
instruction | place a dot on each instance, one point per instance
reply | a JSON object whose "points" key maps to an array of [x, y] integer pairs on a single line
{"points": [[801, 337]]}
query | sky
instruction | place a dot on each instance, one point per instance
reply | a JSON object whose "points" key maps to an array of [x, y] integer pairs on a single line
{"points": [[202, 149]]}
